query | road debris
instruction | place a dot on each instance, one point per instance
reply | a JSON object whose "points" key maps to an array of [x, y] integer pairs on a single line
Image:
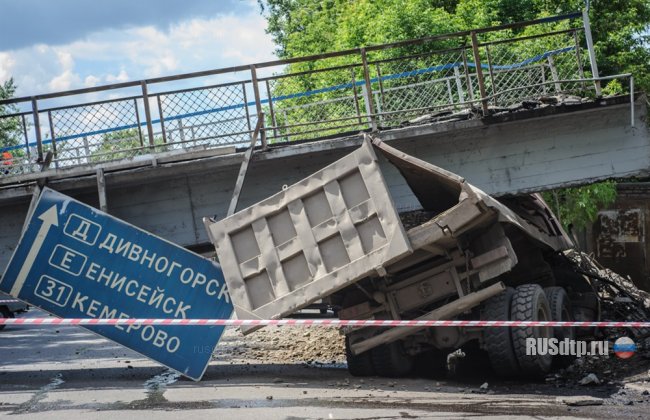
{"points": [[590, 379], [323, 346]]}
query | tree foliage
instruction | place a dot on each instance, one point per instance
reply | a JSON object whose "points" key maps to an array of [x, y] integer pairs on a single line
{"points": [[117, 145], [10, 129], [620, 28], [122, 144], [579, 206]]}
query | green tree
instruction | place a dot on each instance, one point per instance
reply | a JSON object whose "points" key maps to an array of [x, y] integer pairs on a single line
{"points": [[579, 206], [620, 28], [10, 127], [122, 144], [304, 27]]}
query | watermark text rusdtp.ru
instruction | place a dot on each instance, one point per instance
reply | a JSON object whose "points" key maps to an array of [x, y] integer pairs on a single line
{"points": [[565, 347]]}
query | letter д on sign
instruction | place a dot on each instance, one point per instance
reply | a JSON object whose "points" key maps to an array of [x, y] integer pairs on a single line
{"points": [[76, 262]]}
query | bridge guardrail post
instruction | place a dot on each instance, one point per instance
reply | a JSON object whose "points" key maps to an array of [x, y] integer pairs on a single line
{"points": [[592, 53], [258, 105], [367, 92], [53, 138], [491, 72], [37, 129], [579, 58], [147, 112], [554, 74], [137, 122], [468, 79], [479, 73], [357, 108], [162, 119], [248, 115], [459, 85], [381, 104], [181, 129], [25, 137], [273, 120], [86, 149]]}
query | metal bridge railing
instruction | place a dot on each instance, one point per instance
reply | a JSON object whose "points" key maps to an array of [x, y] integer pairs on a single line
{"points": [[303, 98]]}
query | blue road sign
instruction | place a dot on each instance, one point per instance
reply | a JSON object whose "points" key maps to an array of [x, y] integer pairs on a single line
{"points": [[77, 262]]}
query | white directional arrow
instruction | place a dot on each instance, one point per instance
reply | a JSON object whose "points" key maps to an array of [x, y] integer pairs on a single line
{"points": [[49, 218]]}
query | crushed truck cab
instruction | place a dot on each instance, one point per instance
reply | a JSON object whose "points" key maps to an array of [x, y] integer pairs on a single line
{"points": [[336, 235]]}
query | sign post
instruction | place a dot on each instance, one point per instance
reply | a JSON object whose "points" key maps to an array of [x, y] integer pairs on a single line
{"points": [[77, 262]]}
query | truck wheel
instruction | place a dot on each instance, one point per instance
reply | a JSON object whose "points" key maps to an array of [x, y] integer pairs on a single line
{"points": [[498, 340], [360, 364], [391, 361], [560, 305], [529, 303]]}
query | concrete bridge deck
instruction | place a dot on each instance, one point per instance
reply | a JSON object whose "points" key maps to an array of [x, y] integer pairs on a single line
{"points": [[527, 150]]}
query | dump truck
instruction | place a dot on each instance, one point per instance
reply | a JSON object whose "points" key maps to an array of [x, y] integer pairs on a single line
{"points": [[337, 236]]}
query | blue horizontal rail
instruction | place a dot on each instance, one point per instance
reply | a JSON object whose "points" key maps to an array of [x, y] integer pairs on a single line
{"points": [[342, 86]]}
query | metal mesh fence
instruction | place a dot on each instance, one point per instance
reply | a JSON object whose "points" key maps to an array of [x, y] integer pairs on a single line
{"points": [[18, 155], [94, 133], [317, 104], [518, 69], [414, 86], [314, 97], [206, 117]]}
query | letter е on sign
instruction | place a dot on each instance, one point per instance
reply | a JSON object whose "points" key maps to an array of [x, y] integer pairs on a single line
{"points": [[76, 262]]}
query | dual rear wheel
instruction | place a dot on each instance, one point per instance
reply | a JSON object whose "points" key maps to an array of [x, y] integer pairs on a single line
{"points": [[508, 348]]}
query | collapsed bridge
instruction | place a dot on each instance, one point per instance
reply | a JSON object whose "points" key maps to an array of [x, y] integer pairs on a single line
{"points": [[510, 115]]}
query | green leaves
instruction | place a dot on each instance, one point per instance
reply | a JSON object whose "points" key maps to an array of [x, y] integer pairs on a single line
{"points": [[621, 28], [621, 31], [10, 129], [579, 206]]}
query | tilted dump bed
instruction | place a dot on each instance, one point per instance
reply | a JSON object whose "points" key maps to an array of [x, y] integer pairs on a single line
{"points": [[340, 225], [311, 239]]}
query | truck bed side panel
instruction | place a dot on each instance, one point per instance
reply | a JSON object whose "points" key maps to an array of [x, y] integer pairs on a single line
{"points": [[311, 239]]}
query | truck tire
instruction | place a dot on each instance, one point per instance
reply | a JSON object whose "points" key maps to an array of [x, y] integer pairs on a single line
{"points": [[391, 361], [529, 303], [498, 340], [360, 364], [560, 305]]}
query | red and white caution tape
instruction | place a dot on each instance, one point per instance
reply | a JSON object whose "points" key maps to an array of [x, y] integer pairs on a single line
{"points": [[320, 322]]}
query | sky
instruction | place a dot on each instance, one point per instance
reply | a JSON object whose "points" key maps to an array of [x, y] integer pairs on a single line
{"points": [[49, 46]]}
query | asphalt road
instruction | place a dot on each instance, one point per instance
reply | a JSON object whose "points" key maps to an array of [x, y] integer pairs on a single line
{"points": [[50, 373]]}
